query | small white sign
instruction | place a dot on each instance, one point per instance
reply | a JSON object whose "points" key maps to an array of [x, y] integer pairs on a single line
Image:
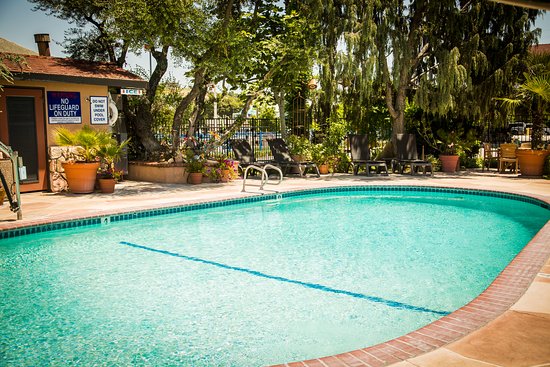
{"points": [[131, 91], [99, 111]]}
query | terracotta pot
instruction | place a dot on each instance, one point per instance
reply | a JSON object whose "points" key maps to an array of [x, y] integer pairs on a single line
{"points": [[531, 162], [449, 163], [81, 176], [107, 185], [195, 178], [323, 169]]}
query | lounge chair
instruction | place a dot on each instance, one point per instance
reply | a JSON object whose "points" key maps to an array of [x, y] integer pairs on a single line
{"points": [[245, 155], [282, 158], [407, 155], [360, 156]]}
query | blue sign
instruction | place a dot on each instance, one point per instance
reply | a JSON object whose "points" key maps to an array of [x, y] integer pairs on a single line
{"points": [[64, 108]]}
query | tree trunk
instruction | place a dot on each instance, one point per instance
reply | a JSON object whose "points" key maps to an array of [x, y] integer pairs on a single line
{"points": [[140, 124], [184, 104], [280, 98]]}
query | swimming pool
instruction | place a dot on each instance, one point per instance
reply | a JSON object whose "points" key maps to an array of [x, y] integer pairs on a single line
{"points": [[299, 282]]}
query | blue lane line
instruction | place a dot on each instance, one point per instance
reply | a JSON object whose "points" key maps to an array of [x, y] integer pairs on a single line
{"points": [[390, 303]]}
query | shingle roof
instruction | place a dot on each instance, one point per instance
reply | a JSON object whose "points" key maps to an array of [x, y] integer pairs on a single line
{"points": [[73, 71], [14, 48]]}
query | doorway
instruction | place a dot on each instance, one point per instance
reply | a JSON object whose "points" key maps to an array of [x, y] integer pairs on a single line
{"points": [[22, 128]]}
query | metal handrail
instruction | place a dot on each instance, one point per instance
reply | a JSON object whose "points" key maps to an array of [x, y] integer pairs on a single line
{"points": [[15, 206], [265, 177]]}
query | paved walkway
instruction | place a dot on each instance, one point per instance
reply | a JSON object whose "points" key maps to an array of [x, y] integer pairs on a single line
{"points": [[520, 336]]}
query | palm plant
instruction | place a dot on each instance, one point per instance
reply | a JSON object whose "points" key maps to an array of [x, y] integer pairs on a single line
{"points": [[86, 140], [110, 153], [533, 94]]}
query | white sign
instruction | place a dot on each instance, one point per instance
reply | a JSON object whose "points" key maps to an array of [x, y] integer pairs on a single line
{"points": [[99, 111], [131, 91]]}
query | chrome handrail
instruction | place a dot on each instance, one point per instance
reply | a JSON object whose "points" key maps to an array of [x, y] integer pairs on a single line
{"points": [[15, 206], [265, 177]]}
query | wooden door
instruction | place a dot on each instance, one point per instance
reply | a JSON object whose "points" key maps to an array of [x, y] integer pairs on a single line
{"points": [[22, 127]]}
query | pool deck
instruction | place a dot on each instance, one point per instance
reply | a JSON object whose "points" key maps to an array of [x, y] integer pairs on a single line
{"points": [[507, 325]]}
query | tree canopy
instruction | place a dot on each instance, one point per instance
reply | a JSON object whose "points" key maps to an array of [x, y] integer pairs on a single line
{"points": [[364, 51]]}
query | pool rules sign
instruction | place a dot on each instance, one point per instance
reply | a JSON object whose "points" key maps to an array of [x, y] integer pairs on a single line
{"points": [[64, 108], [99, 111]]}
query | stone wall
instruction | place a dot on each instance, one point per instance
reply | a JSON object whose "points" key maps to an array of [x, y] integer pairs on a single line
{"points": [[56, 156]]}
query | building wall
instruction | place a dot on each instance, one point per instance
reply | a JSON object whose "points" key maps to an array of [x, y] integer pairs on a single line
{"points": [[53, 177], [86, 91]]}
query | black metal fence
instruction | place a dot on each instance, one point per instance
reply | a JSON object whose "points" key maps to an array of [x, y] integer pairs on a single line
{"points": [[518, 131], [255, 131]]}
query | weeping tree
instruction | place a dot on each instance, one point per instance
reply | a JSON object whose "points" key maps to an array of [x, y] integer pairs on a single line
{"points": [[333, 16], [455, 65]]}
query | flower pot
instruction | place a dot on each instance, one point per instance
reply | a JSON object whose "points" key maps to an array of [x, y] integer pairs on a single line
{"points": [[449, 163], [195, 178], [81, 176], [323, 169], [531, 162], [107, 185]]}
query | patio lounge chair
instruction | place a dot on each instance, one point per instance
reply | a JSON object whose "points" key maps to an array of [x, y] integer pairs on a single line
{"points": [[360, 155], [245, 155], [281, 156], [407, 155]]}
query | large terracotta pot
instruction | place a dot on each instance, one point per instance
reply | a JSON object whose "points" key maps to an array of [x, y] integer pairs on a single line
{"points": [[531, 162], [195, 178], [107, 185], [323, 169], [449, 163], [81, 176]]}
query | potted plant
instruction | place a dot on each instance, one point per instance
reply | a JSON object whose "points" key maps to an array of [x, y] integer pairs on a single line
{"points": [[82, 163], [299, 148], [110, 153], [320, 158], [451, 145], [533, 95], [448, 147], [195, 166]]}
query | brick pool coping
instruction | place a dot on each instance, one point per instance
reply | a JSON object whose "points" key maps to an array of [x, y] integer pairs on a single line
{"points": [[501, 294]]}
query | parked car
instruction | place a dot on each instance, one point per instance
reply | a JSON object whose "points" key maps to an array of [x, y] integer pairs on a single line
{"points": [[517, 128]]}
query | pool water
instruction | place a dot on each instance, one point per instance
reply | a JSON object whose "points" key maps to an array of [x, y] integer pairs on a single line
{"points": [[253, 284]]}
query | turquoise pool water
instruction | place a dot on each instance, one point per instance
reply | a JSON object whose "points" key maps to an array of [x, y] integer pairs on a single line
{"points": [[253, 284]]}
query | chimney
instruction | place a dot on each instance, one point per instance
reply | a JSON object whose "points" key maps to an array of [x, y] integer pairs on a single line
{"points": [[43, 42]]}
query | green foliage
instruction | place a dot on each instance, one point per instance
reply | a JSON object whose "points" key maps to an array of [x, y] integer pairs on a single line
{"points": [[299, 146], [5, 74], [169, 95], [532, 95], [195, 163], [87, 140], [109, 153]]}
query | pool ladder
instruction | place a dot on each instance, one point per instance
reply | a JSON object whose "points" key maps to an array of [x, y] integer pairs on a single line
{"points": [[265, 177]]}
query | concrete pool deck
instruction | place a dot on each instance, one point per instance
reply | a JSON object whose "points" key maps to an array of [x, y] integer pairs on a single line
{"points": [[508, 325]]}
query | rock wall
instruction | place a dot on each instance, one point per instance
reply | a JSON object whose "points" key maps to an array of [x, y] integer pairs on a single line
{"points": [[56, 156]]}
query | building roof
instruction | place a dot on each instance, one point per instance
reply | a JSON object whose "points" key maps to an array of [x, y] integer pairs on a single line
{"points": [[541, 49], [13, 48], [67, 70]]}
